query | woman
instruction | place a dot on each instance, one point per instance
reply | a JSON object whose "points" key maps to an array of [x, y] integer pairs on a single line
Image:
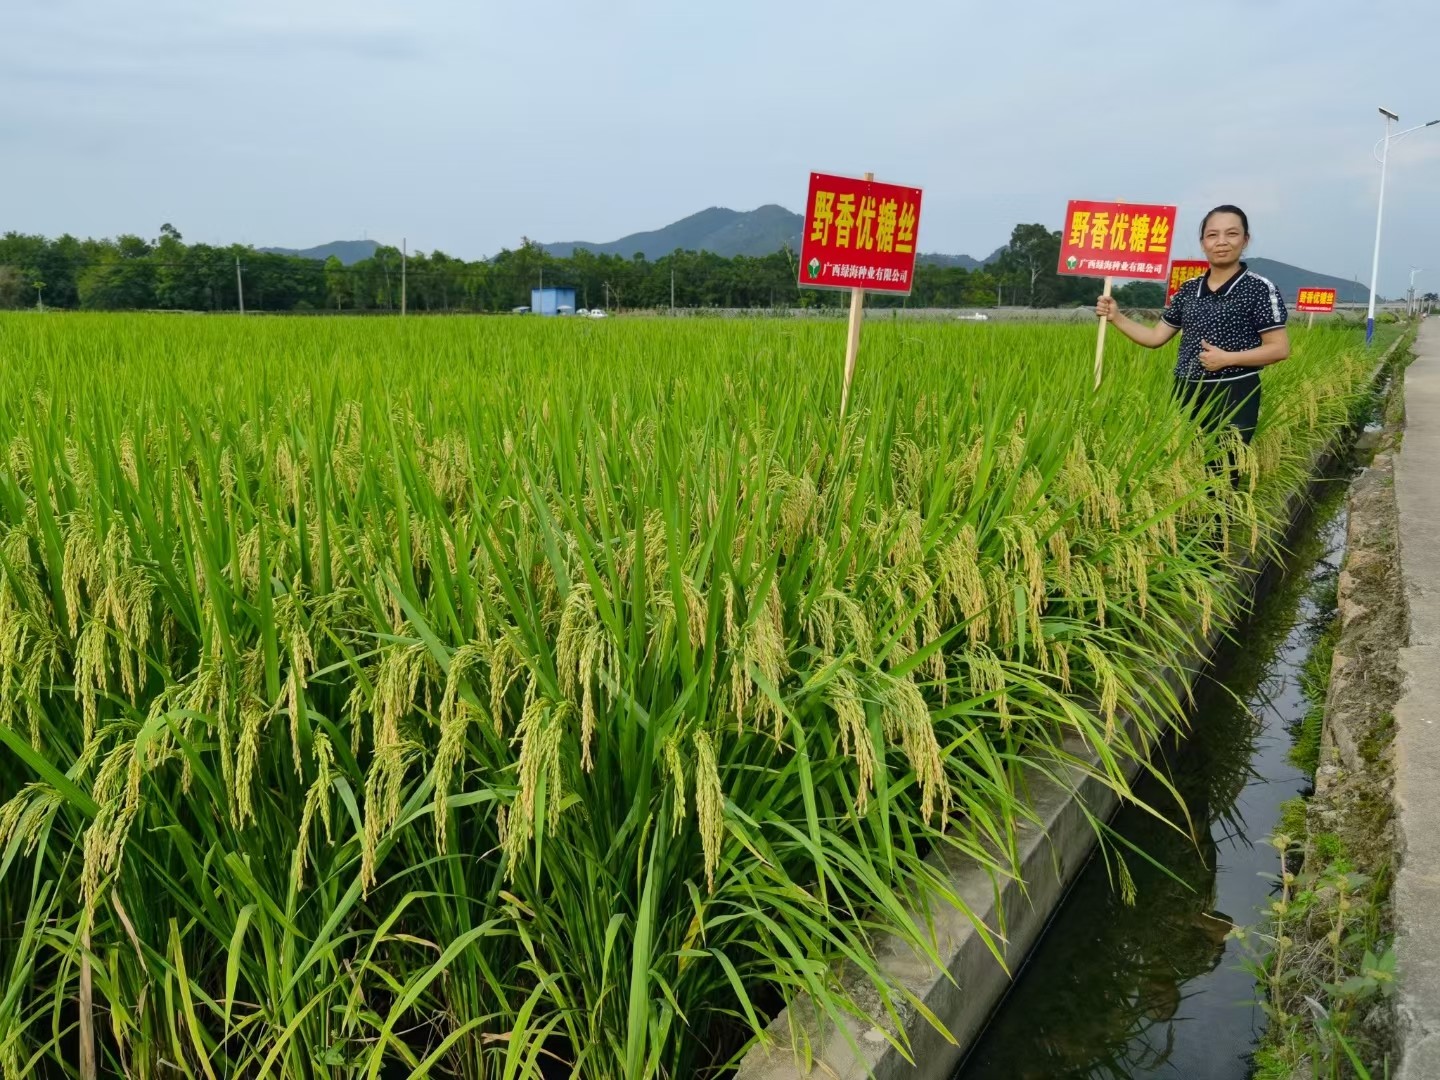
{"points": [[1231, 322]]}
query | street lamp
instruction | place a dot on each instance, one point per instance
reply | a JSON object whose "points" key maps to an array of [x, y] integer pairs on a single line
{"points": [[1384, 146], [1410, 304]]}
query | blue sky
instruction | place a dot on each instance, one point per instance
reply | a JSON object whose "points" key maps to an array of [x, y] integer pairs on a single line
{"points": [[466, 126]]}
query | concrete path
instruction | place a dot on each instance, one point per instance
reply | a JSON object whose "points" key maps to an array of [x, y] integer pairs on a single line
{"points": [[1417, 740]]}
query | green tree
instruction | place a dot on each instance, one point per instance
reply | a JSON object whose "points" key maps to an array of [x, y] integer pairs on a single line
{"points": [[123, 278], [57, 262], [14, 288], [1033, 253], [337, 282], [517, 272], [175, 284], [129, 272], [1141, 294]]}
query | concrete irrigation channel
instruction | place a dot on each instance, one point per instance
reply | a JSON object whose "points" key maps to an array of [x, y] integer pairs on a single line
{"points": [[965, 995], [1154, 984]]}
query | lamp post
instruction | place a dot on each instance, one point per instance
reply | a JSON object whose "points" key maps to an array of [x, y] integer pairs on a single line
{"points": [[1410, 301], [1384, 147]]}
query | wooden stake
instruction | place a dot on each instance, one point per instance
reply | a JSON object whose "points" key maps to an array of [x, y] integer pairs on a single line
{"points": [[852, 343], [1100, 340], [87, 991]]}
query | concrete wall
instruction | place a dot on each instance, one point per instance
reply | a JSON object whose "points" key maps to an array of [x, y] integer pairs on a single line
{"points": [[550, 301]]}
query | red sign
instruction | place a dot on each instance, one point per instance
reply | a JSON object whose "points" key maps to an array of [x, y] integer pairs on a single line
{"points": [[1317, 300], [1181, 271], [1112, 239], [859, 235]]}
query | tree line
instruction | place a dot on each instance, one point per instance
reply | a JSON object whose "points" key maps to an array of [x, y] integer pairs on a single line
{"points": [[133, 273]]}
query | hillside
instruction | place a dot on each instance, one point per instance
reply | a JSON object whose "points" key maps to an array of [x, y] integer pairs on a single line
{"points": [[728, 233], [719, 230], [964, 261], [348, 252], [1290, 279]]}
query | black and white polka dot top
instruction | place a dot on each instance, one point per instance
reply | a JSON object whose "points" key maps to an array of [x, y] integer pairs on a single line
{"points": [[1232, 318]]}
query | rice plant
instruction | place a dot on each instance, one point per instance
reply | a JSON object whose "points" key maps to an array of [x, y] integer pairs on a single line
{"points": [[505, 698]]}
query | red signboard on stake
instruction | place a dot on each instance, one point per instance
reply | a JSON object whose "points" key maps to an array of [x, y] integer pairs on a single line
{"points": [[1181, 271], [1321, 301], [1114, 239], [859, 234]]}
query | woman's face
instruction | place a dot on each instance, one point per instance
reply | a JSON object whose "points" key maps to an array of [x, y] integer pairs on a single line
{"points": [[1224, 239]]}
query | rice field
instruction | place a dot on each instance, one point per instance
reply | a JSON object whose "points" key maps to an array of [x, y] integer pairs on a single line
{"points": [[517, 698]]}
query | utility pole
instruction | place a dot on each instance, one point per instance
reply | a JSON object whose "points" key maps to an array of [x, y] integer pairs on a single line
{"points": [[1383, 157], [239, 285], [607, 296], [402, 276], [672, 288]]}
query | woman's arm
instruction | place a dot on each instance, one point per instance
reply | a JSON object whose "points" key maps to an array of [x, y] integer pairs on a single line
{"points": [[1151, 337], [1274, 347]]}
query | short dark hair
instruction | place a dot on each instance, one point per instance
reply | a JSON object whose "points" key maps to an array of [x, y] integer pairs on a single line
{"points": [[1226, 209]]}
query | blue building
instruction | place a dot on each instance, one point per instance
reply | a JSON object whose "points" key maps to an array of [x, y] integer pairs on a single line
{"points": [[552, 301]]}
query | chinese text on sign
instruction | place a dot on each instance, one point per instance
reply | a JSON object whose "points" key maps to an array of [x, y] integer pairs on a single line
{"points": [[859, 234], [1130, 240], [1181, 271], [1317, 300]]}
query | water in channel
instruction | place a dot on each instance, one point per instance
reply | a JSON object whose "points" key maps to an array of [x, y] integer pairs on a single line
{"points": [[1156, 989]]}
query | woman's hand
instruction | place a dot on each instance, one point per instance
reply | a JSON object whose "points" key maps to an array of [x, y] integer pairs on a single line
{"points": [[1213, 358], [1106, 307]]}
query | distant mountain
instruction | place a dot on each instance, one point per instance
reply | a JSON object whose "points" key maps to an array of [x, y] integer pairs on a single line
{"points": [[1291, 279], [728, 233], [718, 230], [964, 261], [348, 252]]}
